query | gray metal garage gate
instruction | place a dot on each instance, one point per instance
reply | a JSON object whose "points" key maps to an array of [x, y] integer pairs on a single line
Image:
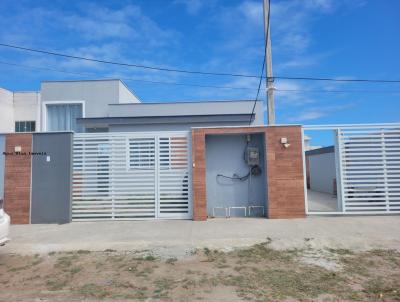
{"points": [[367, 168], [125, 176]]}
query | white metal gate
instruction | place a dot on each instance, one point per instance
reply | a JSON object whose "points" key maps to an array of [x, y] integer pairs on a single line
{"points": [[131, 176], [368, 167]]}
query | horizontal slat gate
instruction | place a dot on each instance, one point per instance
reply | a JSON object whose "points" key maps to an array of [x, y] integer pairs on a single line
{"points": [[173, 177], [131, 176], [370, 164]]}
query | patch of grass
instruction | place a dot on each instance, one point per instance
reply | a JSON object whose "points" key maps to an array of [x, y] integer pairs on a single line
{"points": [[91, 290], [262, 251], [55, 285], [162, 287], [355, 266], [341, 252], [391, 256], [37, 261], [187, 283], [141, 293], [76, 269], [382, 289], [263, 273], [214, 256], [132, 268], [149, 258], [19, 268], [171, 260], [65, 262], [116, 258], [83, 252], [145, 272], [109, 251]]}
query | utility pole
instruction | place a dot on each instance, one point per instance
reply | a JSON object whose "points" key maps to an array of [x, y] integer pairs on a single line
{"points": [[268, 66]]}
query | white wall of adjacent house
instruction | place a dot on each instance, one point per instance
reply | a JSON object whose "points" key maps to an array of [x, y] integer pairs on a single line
{"points": [[125, 95], [322, 172], [7, 111], [27, 107]]}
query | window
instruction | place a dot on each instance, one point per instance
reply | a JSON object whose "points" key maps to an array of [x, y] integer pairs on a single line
{"points": [[25, 126], [62, 117], [141, 153]]}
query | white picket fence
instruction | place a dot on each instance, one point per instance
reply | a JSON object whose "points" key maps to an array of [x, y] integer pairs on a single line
{"points": [[128, 175]]}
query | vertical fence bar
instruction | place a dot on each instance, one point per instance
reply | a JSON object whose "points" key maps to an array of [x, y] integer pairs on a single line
{"points": [[385, 176], [342, 198]]}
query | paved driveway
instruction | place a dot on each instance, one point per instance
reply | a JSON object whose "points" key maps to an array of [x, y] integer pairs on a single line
{"points": [[178, 237]]}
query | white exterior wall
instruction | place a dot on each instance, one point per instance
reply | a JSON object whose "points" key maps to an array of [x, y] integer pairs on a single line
{"points": [[27, 107], [322, 172], [7, 111], [126, 96]]}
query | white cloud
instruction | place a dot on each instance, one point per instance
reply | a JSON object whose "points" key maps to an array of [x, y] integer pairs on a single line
{"points": [[192, 6], [124, 34], [253, 11], [96, 22], [318, 112]]}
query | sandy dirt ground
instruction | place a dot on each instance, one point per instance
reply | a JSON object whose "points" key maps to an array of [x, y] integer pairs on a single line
{"points": [[257, 273], [313, 259]]}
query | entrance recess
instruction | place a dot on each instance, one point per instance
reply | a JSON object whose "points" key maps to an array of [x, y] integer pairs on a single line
{"points": [[131, 176]]}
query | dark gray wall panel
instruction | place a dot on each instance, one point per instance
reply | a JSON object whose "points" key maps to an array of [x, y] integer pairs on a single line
{"points": [[51, 180]]}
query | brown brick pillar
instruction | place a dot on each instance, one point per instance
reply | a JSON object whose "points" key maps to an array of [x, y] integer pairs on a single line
{"points": [[284, 169], [199, 174], [285, 177], [17, 178]]}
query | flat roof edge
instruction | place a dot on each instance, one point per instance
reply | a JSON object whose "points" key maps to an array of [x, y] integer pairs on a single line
{"points": [[85, 80], [250, 126], [185, 102]]}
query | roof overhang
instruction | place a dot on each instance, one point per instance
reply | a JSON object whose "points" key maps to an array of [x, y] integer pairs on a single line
{"points": [[185, 119]]}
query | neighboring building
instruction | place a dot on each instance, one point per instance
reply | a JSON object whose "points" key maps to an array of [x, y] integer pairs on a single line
{"points": [[20, 111], [321, 170], [109, 106]]}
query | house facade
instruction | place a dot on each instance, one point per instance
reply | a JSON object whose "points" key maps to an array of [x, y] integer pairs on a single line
{"points": [[109, 106], [91, 150]]}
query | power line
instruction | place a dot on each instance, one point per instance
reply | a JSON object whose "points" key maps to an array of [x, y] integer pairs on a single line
{"points": [[125, 64], [205, 86], [199, 85], [258, 91], [262, 68], [336, 91], [332, 79], [125, 79], [335, 79]]}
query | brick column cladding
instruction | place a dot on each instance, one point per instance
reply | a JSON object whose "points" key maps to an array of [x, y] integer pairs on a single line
{"points": [[284, 175], [199, 175], [17, 178]]}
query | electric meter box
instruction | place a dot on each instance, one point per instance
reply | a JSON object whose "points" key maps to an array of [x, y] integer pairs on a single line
{"points": [[252, 156]]}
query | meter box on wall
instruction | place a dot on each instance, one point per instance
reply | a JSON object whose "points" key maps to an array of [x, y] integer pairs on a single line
{"points": [[252, 156]]}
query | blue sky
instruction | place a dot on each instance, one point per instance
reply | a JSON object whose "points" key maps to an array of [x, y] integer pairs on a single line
{"points": [[322, 38]]}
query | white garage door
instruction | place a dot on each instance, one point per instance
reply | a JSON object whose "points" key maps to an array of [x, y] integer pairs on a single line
{"points": [[131, 176]]}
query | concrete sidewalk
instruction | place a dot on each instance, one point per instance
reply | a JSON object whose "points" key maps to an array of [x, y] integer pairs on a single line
{"points": [[179, 237]]}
